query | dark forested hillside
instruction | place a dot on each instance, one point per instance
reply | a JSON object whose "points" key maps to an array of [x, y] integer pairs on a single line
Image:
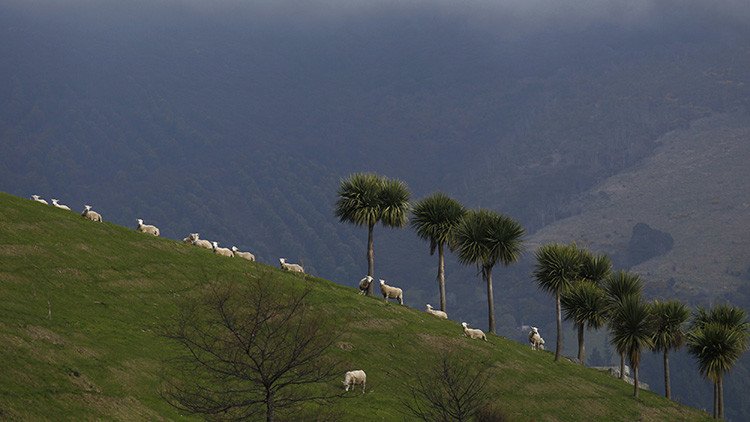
{"points": [[238, 121]]}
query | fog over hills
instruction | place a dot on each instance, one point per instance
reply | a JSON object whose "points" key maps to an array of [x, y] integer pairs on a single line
{"points": [[237, 120]]}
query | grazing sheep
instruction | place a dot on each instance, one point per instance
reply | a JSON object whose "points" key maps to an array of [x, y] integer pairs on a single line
{"points": [[536, 340], [189, 239], [91, 215], [353, 378], [439, 314], [295, 268], [197, 241], [244, 255], [364, 284], [38, 199], [473, 332], [390, 292], [61, 206], [147, 228], [222, 251]]}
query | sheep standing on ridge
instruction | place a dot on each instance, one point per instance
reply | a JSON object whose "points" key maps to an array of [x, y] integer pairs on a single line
{"points": [[38, 199], [91, 215], [353, 378], [197, 241], [439, 314], [295, 268], [364, 285], [390, 292], [61, 206], [189, 238], [473, 332], [222, 251], [147, 228], [536, 340], [244, 255]]}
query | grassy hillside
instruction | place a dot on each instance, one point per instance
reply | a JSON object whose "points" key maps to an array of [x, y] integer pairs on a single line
{"points": [[82, 306]]}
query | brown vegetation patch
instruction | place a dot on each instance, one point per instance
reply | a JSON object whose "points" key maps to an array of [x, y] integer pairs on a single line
{"points": [[11, 341], [86, 352], [85, 247], [346, 346], [141, 283], [376, 324], [71, 273], [82, 382], [115, 408], [19, 250], [40, 333], [443, 343], [134, 371], [10, 278]]}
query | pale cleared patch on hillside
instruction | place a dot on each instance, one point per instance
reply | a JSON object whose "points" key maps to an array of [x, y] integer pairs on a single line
{"points": [[696, 186]]}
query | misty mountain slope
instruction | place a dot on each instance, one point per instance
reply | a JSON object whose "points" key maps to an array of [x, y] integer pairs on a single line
{"points": [[693, 188]]}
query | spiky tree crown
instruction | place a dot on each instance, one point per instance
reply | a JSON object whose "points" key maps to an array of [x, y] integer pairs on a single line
{"points": [[367, 198], [486, 237], [435, 219], [557, 267]]}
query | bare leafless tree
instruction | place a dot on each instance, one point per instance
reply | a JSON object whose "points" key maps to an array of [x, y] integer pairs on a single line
{"points": [[449, 390], [250, 349]]}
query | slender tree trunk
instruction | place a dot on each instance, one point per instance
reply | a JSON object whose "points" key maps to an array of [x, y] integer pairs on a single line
{"points": [[490, 300], [581, 345], [622, 366], [371, 259], [269, 407], [441, 276], [716, 400], [720, 397], [635, 381], [667, 387], [558, 347]]}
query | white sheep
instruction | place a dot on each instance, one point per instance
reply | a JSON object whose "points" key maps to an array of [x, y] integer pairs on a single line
{"points": [[295, 268], [61, 206], [197, 241], [364, 284], [38, 199], [244, 255], [189, 238], [221, 251], [439, 314], [147, 228], [473, 332], [536, 340], [390, 292], [352, 378], [91, 215]]}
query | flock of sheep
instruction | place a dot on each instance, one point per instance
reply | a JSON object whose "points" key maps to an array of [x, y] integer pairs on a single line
{"points": [[193, 238], [351, 378]]}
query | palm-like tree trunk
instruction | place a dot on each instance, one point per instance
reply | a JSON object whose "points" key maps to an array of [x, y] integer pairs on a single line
{"points": [[558, 310], [370, 258], [441, 275], [720, 397], [581, 345], [667, 387], [622, 366], [490, 299], [715, 414], [635, 381]]}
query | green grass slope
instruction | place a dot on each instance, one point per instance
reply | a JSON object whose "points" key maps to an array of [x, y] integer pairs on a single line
{"points": [[82, 303]]}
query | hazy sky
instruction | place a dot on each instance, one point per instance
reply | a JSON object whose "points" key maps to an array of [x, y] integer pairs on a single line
{"points": [[515, 15]]}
